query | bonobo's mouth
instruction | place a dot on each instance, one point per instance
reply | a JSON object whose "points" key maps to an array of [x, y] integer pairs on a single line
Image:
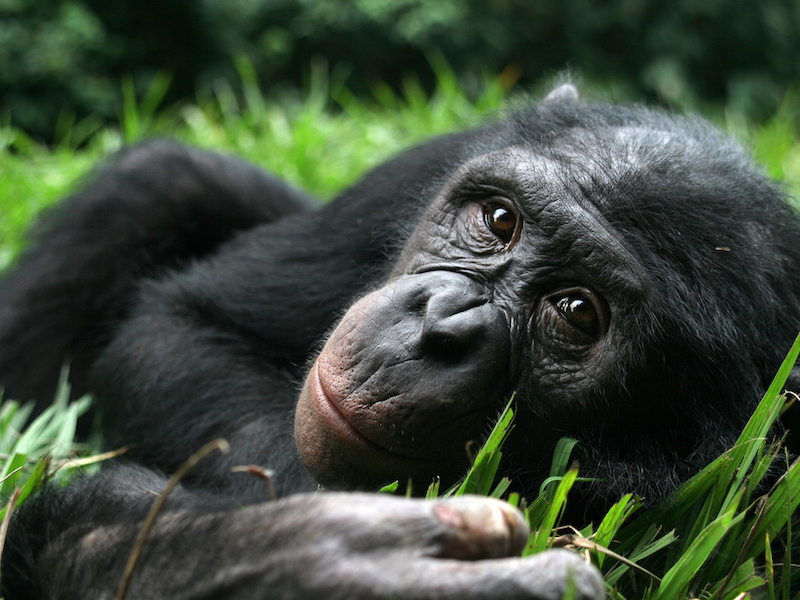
{"points": [[340, 456], [336, 419]]}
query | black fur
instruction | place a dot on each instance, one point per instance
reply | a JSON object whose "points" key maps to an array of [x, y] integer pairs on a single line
{"points": [[190, 292]]}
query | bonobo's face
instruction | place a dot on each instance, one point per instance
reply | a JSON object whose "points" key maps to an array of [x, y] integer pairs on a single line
{"points": [[513, 281]]}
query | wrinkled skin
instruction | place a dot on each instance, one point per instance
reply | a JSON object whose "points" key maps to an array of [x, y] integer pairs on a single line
{"points": [[413, 408], [628, 276]]}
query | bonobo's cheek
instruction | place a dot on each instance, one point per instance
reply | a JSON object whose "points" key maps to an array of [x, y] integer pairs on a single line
{"points": [[406, 381]]}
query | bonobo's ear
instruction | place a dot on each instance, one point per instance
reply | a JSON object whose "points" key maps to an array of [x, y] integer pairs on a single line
{"points": [[566, 93]]}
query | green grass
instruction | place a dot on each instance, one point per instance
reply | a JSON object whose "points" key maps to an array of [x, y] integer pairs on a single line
{"points": [[321, 142], [718, 537]]}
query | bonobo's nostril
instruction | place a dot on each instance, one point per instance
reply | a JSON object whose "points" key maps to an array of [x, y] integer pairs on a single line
{"points": [[448, 317], [444, 344]]}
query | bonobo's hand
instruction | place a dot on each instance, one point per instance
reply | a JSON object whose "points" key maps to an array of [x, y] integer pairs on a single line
{"points": [[328, 546], [375, 546]]}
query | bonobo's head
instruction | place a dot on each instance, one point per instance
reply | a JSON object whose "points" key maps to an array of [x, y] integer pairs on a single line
{"points": [[628, 274]]}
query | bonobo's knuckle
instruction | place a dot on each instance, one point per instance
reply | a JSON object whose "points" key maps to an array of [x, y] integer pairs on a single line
{"points": [[559, 574], [478, 528], [364, 523]]}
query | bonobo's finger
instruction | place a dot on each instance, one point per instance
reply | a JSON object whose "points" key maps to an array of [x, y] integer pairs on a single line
{"points": [[551, 575], [389, 547], [466, 528], [478, 528]]}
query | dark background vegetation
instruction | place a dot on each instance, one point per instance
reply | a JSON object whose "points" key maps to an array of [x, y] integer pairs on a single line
{"points": [[66, 58]]}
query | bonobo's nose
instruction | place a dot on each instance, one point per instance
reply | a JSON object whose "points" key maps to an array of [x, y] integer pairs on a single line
{"points": [[459, 328], [457, 318]]}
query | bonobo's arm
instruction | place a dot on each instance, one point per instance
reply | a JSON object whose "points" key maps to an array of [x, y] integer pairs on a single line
{"points": [[155, 207], [330, 546]]}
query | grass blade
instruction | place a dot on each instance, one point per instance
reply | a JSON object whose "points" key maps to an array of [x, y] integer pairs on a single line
{"points": [[676, 581], [481, 476]]}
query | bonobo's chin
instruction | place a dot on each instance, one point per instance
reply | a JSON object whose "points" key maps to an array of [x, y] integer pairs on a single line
{"points": [[340, 457]]}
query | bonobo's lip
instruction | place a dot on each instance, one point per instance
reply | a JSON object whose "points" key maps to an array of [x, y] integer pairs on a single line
{"points": [[334, 417], [338, 423]]}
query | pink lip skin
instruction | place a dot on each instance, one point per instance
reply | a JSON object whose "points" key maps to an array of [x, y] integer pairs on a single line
{"points": [[338, 424], [330, 412]]}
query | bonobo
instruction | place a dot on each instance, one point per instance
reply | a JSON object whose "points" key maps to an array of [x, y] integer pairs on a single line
{"points": [[629, 275]]}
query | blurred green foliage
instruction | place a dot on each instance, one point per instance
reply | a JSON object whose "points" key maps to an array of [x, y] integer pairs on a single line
{"points": [[62, 60]]}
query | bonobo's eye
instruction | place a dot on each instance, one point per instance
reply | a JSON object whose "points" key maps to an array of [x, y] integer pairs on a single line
{"points": [[580, 312], [501, 220], [576, 315]]}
